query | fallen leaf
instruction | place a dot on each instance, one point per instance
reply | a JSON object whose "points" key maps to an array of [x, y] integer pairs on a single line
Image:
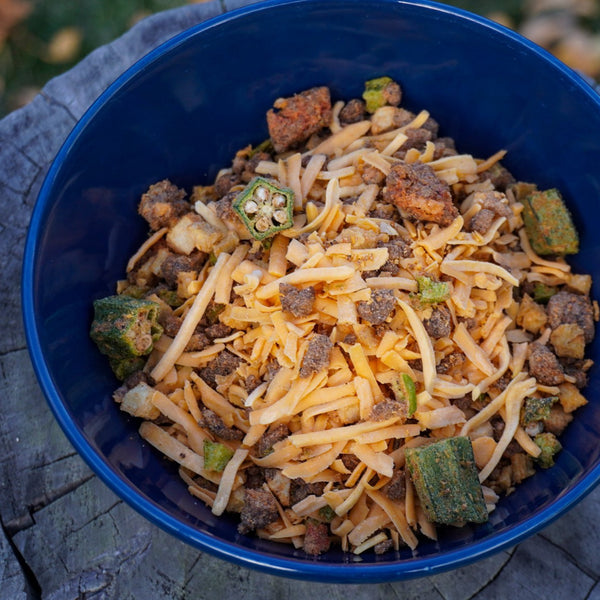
{"points": [[64, 45], [12, 12]]}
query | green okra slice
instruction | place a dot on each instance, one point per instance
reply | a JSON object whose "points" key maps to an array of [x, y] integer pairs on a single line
{"points": [[377, 92], [125, 327], [446, 480], [124, 367], [265, 208], [548, 223], [536, 409], [432, 292], [542, 292], [405, 391], [549, 445], [216, 456]]}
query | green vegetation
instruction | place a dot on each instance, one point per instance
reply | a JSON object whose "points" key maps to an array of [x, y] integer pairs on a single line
{"points": [[40, 39]]}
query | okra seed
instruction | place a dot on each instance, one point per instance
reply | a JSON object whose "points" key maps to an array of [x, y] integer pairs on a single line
{"points": [[280, 216], [262, 224], [261, 193], [279, 201], [250, 207]]}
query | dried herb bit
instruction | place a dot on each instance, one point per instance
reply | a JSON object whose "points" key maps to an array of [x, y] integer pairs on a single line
{"points": [[381, 91], [432, 292], [405, 391], [125, 367], [536, 409], [125, 329], [216, 456], [445, 478], [549, 445], [264, 208], [542, 292], [548, 224], [327, 513]]}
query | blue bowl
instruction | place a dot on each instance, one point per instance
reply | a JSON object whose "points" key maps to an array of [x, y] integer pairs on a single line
{"points": [[182, 112]]}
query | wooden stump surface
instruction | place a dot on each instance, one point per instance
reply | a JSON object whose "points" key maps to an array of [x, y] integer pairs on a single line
{"points": [[65, 535]]}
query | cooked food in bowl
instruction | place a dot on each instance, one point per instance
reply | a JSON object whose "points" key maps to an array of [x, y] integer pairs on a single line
{"points": [[357, 334]]}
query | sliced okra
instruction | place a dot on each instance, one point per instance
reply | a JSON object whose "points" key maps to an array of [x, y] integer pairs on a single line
{"points": [[125, 327], [265, 208]]}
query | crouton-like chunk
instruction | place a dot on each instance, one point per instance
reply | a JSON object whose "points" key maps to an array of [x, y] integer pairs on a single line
{"points": [[419, 194], [137, 402], [163, 204], [570, 397], [531, 315], [293, 120], [192, 232]]}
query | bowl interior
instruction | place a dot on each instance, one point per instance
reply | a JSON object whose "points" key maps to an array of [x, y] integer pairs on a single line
{"points": [[182, 113]]}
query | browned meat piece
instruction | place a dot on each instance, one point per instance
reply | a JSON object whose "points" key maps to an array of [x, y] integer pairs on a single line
{"points": [[272, 368], [482, 221], [214, 423], [300, 490], [317, 354], [255, 477], [225, 182], [575, 370], [454, 359], [350, 461], [180, 263], [497, 427], [501, 384], [444, 146], [269, 438], [566, 307], [416, 139], [316, 538], [500, 177], [260, 509], [353, 111], [557, 421], [386, 409], [383, 547], [245, 167], [494, 201], [218, 330], [389, 269], [381, 306], [418, 192], [465, 403], [197, 342], [397, 248], [298, 301], [469, 322], [293, 120], [371, 174], [431, 125], [544, 366], [439, 325], [395, 489], [402, 117], [512, 449], [163, 204], [224, 364], [169, 322]]}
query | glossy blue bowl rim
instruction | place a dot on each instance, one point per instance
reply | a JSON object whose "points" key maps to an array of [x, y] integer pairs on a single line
{"points": [[294, 568]]}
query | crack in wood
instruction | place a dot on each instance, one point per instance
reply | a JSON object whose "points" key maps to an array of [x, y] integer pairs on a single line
{"points": [[571, 558], [35, 590], [14, 526], [511, 553]]}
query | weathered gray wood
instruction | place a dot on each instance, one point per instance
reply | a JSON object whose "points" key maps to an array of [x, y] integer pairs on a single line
{"points": [[74, 536]]}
